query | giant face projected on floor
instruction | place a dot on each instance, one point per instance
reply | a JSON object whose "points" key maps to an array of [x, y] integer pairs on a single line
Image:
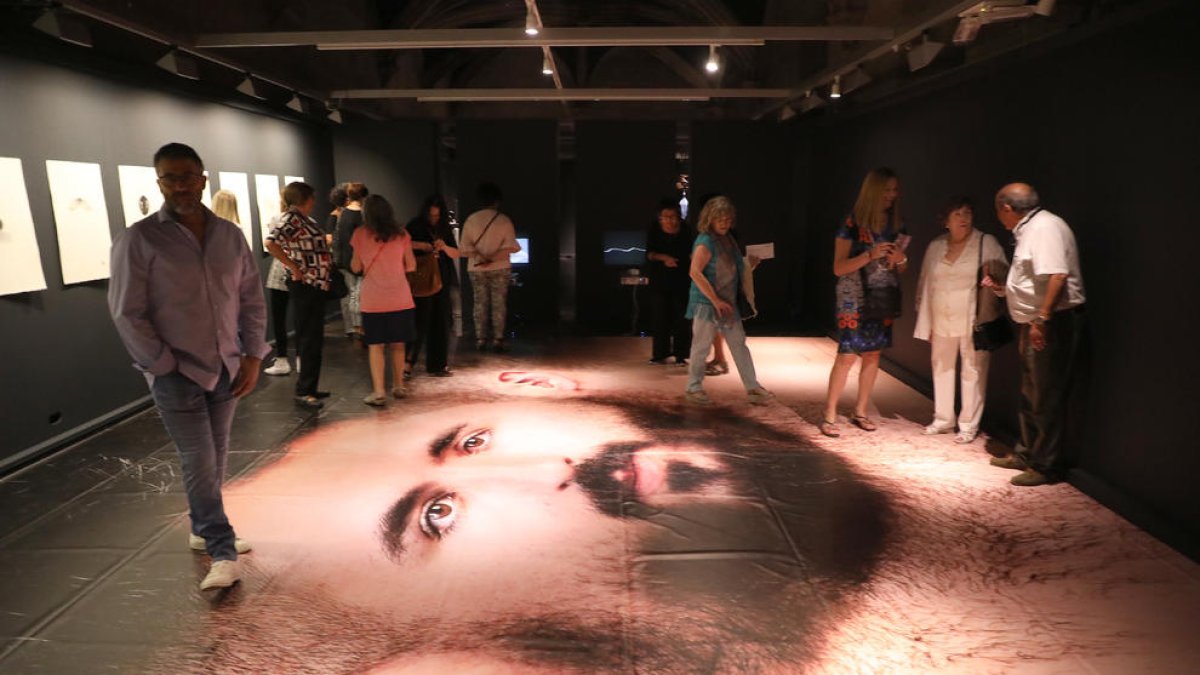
{"points": [[562, 534]]}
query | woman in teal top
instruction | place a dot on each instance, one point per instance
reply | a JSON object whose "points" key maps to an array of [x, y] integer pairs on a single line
{"points": [[716, 273]]}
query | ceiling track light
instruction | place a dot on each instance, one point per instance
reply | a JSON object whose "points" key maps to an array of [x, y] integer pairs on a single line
{"points": [[249, 88], [547, 65], [810, 102], [923, 53], [714, 62], [835, 89], [854, 79], [531, 24], [296, 103], [64, 27], [334, 115], [178, 63]]}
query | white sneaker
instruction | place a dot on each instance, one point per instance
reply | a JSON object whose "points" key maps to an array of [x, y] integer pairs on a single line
{"points": [[934, 430], [759, 396], [222, 574], [240, 545], [280, 367]]}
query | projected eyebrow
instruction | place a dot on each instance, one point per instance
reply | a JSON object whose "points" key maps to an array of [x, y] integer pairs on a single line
{"points": [[437, 449], [397, 518]]}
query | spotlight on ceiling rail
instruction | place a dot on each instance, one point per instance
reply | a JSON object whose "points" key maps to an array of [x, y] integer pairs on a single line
{"points": [[64, 27], [923, 53], [180, 64], [996, 11], [531, 27], [811, 101], [854, 79], [835, 89], [296, 103], [714, 60], [547, 65], [250, 88]]}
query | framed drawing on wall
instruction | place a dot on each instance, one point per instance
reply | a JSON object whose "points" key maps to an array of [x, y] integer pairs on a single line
{"points": [[238, 184], [266, 190], [140, 195], [22, 268], [80, 218]]}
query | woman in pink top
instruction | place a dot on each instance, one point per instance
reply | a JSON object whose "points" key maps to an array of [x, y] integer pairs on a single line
{"points": [[383, 254]]}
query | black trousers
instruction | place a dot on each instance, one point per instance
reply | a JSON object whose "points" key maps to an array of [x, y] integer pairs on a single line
{"points": [[1051, 391], [308, 312], [672, 333], [279, 312], [433, 331]]}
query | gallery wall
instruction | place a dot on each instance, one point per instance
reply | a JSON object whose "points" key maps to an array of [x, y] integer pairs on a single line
{"points": [[64, 369], [1105, 128], [393, 159]]}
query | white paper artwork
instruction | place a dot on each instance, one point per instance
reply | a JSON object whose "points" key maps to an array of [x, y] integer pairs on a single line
{"points": [[266, 189], [81, 218], [206, 196], [239, 185], [140, 195], [292, 179], [21, 270], [761, 251]]}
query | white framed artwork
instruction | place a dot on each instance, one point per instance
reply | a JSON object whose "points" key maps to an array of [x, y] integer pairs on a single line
{"points": [[293, 179], [239, 185], [21, 271], [206, 196], [140, 194], [266, 189], [80, 218]]}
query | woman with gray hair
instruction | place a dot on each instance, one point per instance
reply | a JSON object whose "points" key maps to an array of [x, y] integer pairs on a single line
{"points": [[716, 271]]}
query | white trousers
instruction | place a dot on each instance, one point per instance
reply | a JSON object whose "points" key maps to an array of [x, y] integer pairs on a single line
{"points": [[944, 352]]}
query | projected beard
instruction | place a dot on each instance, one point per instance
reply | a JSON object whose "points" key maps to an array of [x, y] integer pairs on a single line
{"points": [[565, 535]]}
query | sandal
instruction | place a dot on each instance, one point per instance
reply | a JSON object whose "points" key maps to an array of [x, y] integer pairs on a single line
{"points": [[716, 368], [376, 400], [309, 402], [399, 392], [863, 422], [829, 428]]}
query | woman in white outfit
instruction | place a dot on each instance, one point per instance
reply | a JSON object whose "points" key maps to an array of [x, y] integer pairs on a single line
{"points": [[950, 302]]}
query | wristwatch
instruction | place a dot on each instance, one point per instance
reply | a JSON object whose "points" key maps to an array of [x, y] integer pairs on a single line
{"points": [[1040, 319]]}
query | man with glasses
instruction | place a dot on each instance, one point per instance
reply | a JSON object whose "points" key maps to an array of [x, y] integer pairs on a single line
{"points": [[187, 301]]}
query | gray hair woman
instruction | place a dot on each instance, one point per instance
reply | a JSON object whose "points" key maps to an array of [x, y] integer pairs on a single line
{"points": [[950, 303]]}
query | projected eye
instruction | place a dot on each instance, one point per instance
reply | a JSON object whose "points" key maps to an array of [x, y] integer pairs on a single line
{"points": [[475, 442], [438, 515]]}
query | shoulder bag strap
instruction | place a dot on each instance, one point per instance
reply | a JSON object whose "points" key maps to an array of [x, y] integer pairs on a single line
{"points": [[375, 257], [978, 281], [485, 229]]}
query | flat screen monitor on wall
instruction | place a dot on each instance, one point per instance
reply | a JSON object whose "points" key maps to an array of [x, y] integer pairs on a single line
{"points": [[625, 248], [520, 257]]}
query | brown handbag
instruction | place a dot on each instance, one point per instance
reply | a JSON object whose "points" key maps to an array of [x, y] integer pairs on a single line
{"points": [[426, 280]]}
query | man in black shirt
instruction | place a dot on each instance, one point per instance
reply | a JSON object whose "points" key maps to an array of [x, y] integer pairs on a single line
{"points": [[668, 254]]}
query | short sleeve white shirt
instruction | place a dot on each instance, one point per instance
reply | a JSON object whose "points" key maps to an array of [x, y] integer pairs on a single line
{"points": [[1045, 246]]}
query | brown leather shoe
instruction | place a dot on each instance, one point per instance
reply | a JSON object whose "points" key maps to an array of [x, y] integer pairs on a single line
{"points": [[1009, 462]]}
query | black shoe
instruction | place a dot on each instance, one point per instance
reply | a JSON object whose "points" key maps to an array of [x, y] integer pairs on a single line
{"points": [[309, 402], [444, 372], [499, 347], [481, 346], [321, 394], [659, 362]]}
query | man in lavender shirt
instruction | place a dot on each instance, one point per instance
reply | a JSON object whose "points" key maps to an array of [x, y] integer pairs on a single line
{"points": [[187, 301]]}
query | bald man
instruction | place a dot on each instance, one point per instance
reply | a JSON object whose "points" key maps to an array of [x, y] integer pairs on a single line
{"points": [[1046, 300]]}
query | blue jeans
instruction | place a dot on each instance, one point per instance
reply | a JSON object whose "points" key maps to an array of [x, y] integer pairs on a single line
{"points": [[703, 332], [199, 421]]}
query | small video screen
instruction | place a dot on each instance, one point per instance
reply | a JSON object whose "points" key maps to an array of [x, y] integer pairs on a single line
{"points": [[520, 257], [625, 248]]}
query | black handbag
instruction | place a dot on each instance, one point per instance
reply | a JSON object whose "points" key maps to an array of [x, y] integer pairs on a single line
{"points": [[337, 285], [990, 336]]}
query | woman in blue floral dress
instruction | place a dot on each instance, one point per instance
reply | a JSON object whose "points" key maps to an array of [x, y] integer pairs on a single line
{"points": [[864, 248]]}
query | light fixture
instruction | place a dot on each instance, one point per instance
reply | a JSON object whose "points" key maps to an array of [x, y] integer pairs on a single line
{"points": [[249, 88], [854, 79], [64, 27], [995, 11], [835, 89], [334, 115], [786, 113], [547, 65], [531, 27], [810, 102], [180, 64], [296, 104], [714, 62], [923, 53]]}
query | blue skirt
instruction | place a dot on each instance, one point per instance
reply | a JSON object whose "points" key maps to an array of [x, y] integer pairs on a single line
{"points": [[389, 327]]}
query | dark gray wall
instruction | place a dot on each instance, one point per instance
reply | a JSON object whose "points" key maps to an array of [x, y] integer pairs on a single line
{"points": [[522, 158], [394, 159], [62, 358], [622, 170], [749, 163], [1106, 129]]}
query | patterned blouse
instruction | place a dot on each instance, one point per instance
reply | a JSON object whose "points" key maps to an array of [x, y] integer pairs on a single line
{"points": [[304, 243]]}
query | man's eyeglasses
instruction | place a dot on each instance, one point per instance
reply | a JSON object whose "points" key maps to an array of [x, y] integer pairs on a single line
{"points": [[180, 179]]}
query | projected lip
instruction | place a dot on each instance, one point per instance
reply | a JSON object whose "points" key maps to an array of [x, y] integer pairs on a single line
{"points": [[643, 475]]}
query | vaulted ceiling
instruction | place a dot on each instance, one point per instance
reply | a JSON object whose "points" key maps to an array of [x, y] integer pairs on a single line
{"points": [[603, 58]]}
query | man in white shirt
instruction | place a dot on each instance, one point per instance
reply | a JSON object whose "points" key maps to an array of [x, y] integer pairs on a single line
{"points": [[488, 238], [1046, 299]]}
